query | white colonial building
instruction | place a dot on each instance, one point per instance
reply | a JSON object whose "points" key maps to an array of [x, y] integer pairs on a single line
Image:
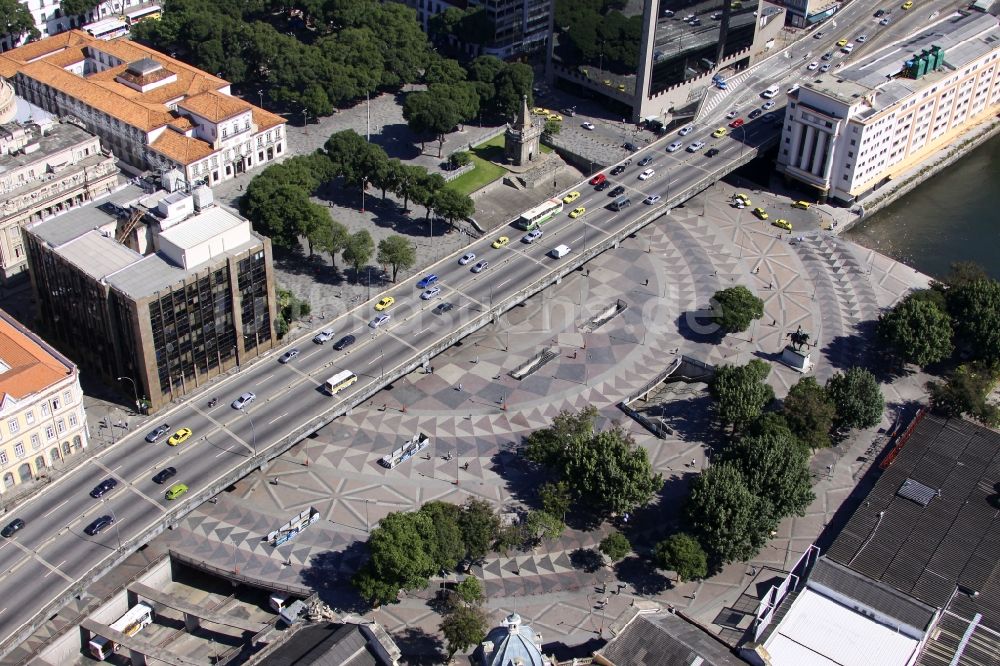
{"points": [[848, 132]]}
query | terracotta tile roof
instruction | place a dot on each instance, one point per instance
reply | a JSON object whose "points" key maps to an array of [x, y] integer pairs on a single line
{"points": [[214, 106], [32, 367], [181, 149], [67, 57], [182, 124], [265, 120]]}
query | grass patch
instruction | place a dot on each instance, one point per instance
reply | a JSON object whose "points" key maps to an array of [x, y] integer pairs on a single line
{"points": [[485, 172]]}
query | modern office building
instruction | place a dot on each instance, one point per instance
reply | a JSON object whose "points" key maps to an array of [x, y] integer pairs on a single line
{"points": [[42, 421], [656, 58], [155, 292], [807, 13], [46, 169], [152, 111], [848, 132]]}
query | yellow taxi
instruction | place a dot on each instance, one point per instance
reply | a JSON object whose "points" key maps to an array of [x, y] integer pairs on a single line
{"points": [[540, 111], [907, 5], [621, 87], [782, 224], [804, 205], [842, 43], [577, 212], [744, 198], [500, 242], [179, 437], [571, 197], [176, 491], [555, 116], [719, 133], [760, 213], [384, 303]]}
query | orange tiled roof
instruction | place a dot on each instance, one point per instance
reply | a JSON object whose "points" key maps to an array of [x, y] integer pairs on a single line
{"points": [[214, 106], [182, 124], [265, 120], [181, 149], [32, 367]]}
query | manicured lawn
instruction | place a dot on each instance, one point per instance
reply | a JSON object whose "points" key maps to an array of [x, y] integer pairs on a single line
{"points": [[486, 171]]}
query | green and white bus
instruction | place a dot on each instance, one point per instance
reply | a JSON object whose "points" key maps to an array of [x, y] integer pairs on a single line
{"points": [[539, 215]]}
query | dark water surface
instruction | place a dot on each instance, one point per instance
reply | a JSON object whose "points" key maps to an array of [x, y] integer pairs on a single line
{"points": [[954, 216]]}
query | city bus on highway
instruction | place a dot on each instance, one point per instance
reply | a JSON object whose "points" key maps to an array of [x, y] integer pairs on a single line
{"points": [[340, 381], [539, 215], [129, 624]]}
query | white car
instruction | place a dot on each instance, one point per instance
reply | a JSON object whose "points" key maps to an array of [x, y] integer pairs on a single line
{"points": [[767, 106], [825, 67], [684, 131], [792, 89], [651, 199], [531, 236], [323, 336], [378, 321], [885, 21], [696, 146], [587, 126], [861, 39], [467, 257], [430, 293], [647, 174], [732, 114], [675, 146], [813, 65]]}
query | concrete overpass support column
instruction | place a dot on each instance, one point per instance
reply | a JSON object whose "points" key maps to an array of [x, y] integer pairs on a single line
{"points": [[807, 148], [191, 622], [822, 140], [138, 658]]}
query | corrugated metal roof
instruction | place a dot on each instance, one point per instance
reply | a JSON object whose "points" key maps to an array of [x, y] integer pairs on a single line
{"points": [[655, 639]]}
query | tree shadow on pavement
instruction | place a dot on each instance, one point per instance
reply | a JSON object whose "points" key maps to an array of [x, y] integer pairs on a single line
{"points": [[587, 560], [328, 573], [397, 141], [697, 326], [420, 647], [642, 576]]}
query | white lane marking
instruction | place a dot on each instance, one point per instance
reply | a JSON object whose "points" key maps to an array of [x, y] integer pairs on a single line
{"points": [[264, 379], [54, 509], [3, 611], [503, 283], [277, 417]]}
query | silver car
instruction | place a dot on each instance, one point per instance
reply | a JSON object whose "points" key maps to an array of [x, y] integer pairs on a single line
{"points": [[467, 257], [430, 293], [684, 131], [244, 400], [323, 336], [696, 146], [378, 321], [675, 146], [480, 267]]}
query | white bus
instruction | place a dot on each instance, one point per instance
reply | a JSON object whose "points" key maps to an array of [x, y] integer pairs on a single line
{"points": [[340, 381], [142, 13], [129, 624], [770, 92], [540, 214], [107, 29]]}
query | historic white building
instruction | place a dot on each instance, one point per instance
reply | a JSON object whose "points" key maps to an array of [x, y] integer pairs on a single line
{"points": [[850, 131]]}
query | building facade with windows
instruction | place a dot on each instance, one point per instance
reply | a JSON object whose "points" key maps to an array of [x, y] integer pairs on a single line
{"points": [[152, 111], [165, 288], [849, 133], [518, 26], [50, 19], [46, 169], [42, 421]]}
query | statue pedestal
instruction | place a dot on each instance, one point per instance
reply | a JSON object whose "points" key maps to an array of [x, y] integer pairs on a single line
{"points": [[799, 361]]}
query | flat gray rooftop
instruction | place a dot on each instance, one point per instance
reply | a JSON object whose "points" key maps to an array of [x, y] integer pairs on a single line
{"points": [[59, 137]]}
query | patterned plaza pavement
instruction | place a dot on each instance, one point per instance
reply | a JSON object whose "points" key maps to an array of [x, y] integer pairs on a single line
{"points": [[477, 415]]}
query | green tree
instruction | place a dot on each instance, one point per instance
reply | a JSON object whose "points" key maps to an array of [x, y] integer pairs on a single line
{"points": [[446, 545], [77, 7], [857, 397], [616, 546], [331, 237], [741, 393], [17, 20], [918, 330], [431, 113], [409, 183], [548, 446], [463, 628], [556, 498], [539, 525], [552, 127], [311, 222], [479, 525], [965, 392], [453, 205], [398, 252], [682, 554], [776, 468], [809, 413], [731, 523], [470, 591], [735, 308], [609, 472], [512, 83], [444, 70], [358, 251], [401, 557], [274, 208], [460, 159], [975, 314]]}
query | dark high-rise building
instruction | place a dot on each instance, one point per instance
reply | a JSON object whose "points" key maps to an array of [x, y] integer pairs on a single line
{"points": [[167, 289]]}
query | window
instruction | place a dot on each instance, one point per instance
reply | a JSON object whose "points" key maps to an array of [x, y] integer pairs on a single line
{"points": [[13, 426], [73, 420], [45, 409], [3, 457], [36, 442], [19, 449], [29, 416], [50, 432], [67, 397], [55, 404], [61, 425]]}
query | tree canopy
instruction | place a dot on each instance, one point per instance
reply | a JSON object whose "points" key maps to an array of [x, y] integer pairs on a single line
{"points": [[359, 250], [616, 546], [463, 628], [858, 398], [398, 252], [735, 309], [775, 468], [918, 329], [17, 20], [809, 413], [402, 557], [741, 393], [975, 314], [682, 554]]}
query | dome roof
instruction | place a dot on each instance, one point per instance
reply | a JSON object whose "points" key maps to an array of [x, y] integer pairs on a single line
{"points": [[513, 644]]}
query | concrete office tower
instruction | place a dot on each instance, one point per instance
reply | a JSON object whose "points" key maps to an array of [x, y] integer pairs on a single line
{"points": [[45, 170], [166, 289], [655, 58], [42, 421], [850, 132]]}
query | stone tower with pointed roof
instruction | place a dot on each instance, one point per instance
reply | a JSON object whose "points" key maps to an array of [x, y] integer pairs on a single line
{"points": [[521, 139]]}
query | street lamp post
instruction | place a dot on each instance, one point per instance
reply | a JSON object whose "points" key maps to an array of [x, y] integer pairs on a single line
{"points": [[114, 519], [135, 391], [369, 283], [305, 121], [368, 525], [381, 359], [260, 93], [364, 186], [253, 431]]}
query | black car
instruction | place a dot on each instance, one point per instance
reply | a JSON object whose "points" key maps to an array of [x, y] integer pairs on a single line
{"points": [[99, 525], [15, 525], [103, 487], [157, 433], [879, 13], [442, 308], [712, 152], [164, 474], [630, 146], [756, 113], [344, 342], [645, 160], [618, 169], [603, 185], [617, 191]]}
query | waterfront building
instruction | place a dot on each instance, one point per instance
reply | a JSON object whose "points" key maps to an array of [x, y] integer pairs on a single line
{"points": [[851, 131], [660, 56], [153, 111], [155, 292], [45, 169], [42, 421]]}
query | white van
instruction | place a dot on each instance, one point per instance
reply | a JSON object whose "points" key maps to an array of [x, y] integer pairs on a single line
{"points": [[559, 251], [770, 92]]}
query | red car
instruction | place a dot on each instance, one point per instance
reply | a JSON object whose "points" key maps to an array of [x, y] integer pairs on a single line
{"points": [[598, 179], [736, 123]]}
